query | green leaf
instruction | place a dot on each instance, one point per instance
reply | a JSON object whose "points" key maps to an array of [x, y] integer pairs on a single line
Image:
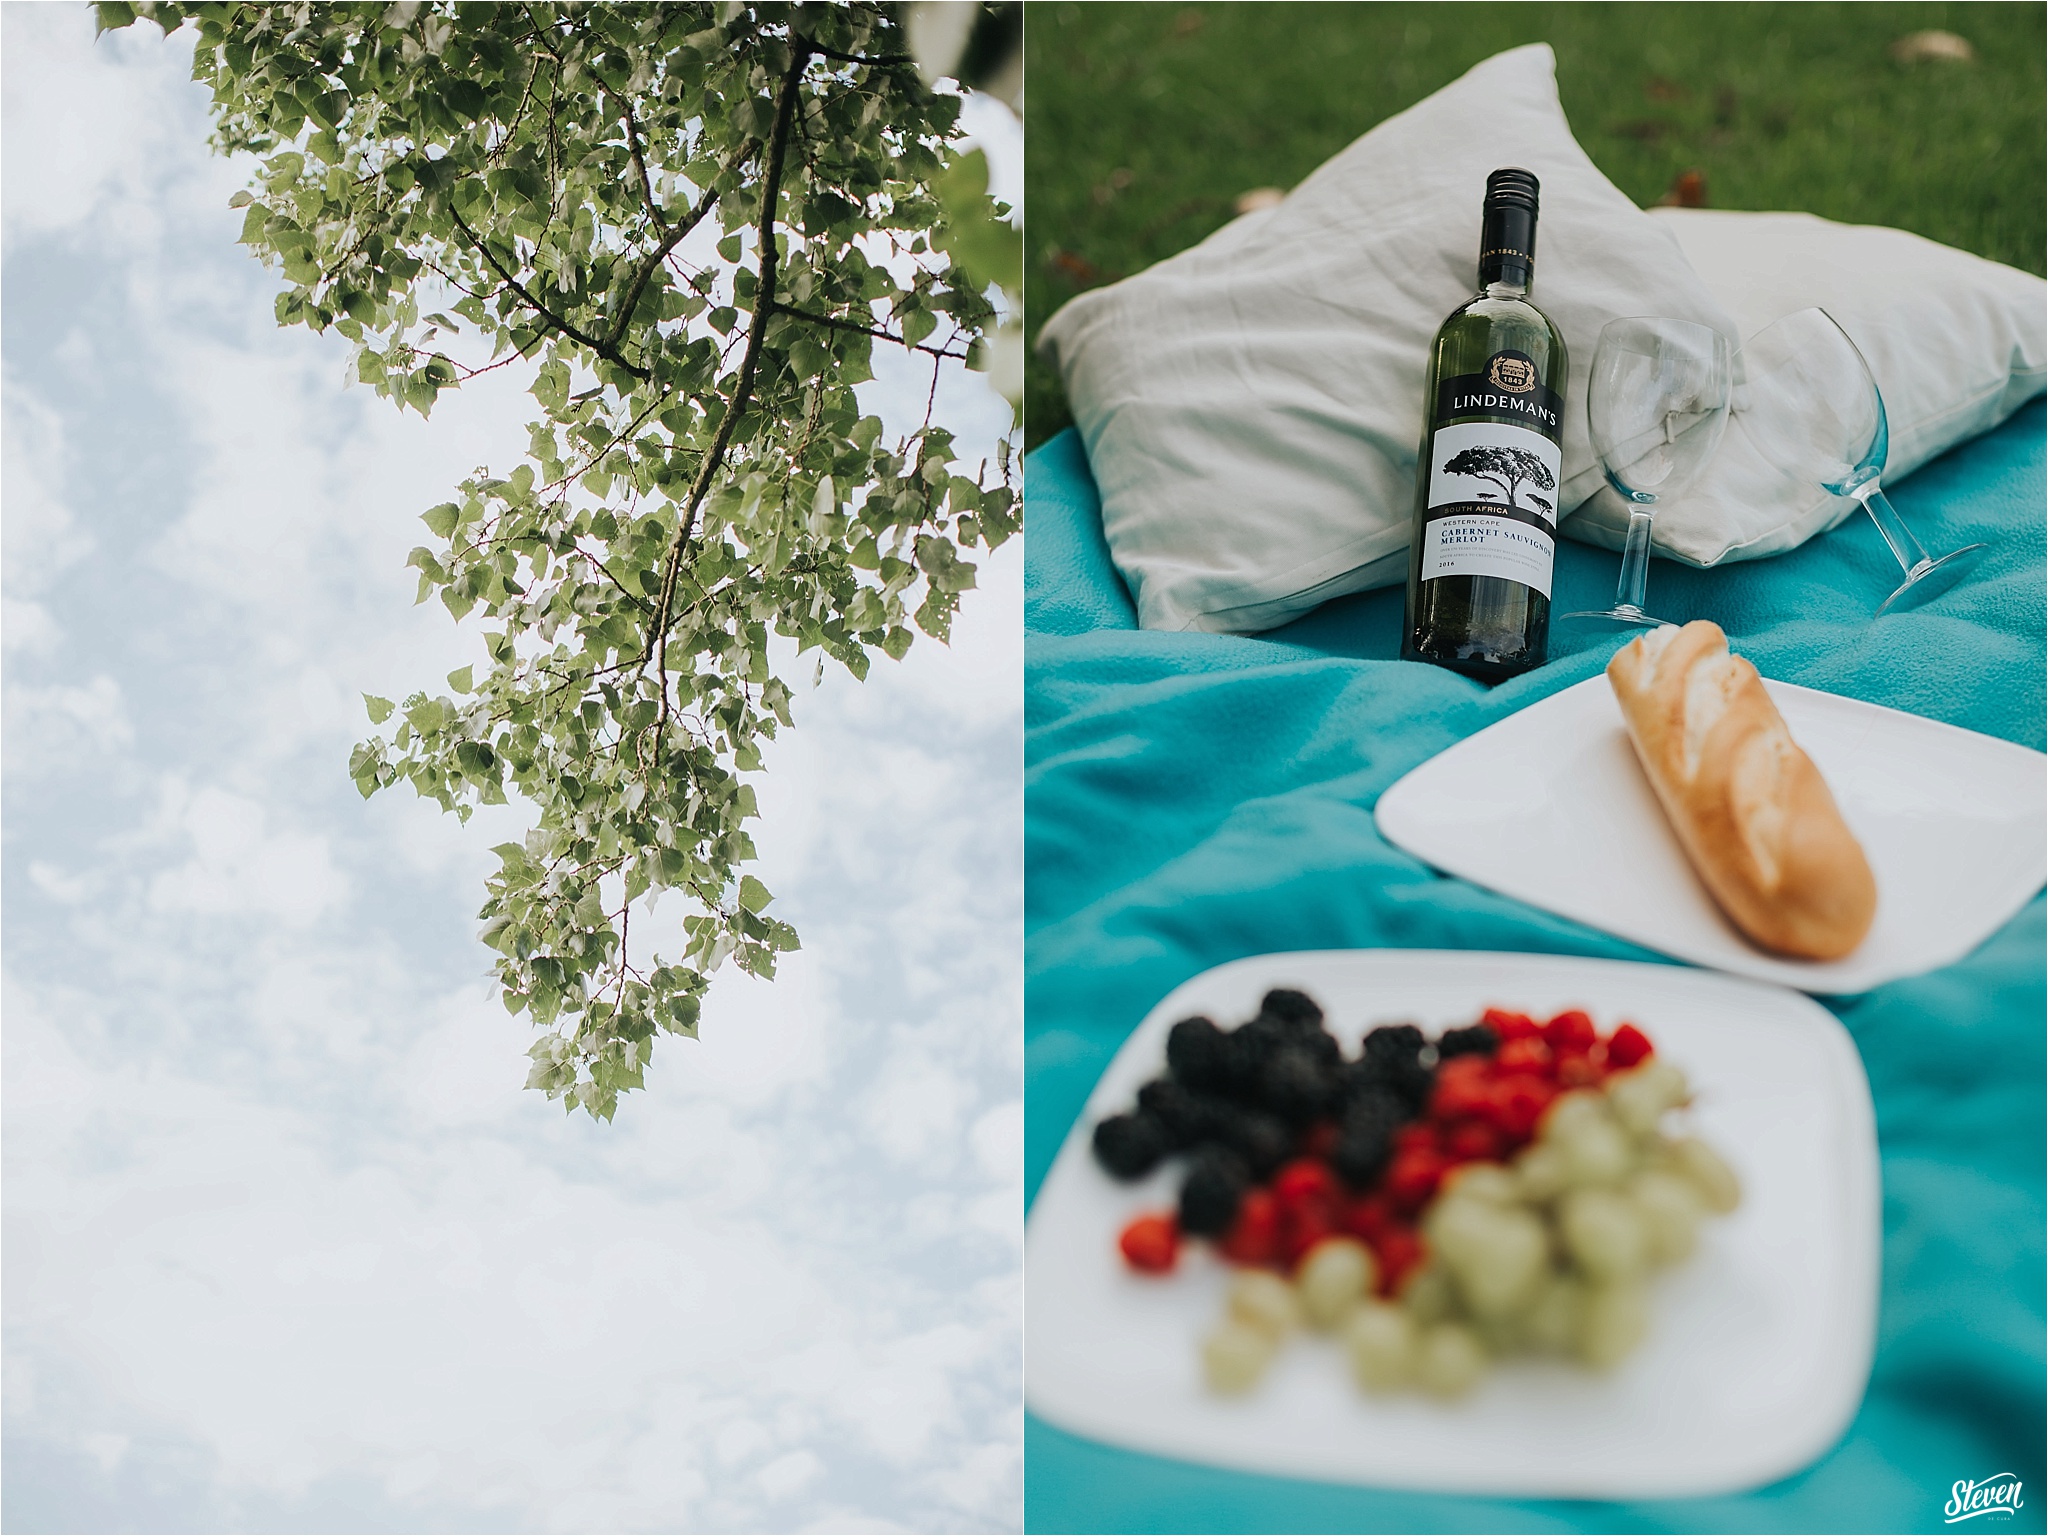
{"points": [[460, 680], [380, 709], [753, 894]]}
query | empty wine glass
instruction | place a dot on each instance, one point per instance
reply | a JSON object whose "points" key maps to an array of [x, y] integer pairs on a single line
{"points": [[1657, 403], [1812, 408]]}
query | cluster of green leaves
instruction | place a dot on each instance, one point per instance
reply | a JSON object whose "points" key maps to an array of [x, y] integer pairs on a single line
{"points": [[690, 223]]}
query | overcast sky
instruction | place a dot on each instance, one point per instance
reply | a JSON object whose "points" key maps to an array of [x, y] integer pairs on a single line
{"points": [[286, 1245]]}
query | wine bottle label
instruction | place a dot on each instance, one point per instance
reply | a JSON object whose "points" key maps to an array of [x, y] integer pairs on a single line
{"points": [[1487, 512], [1510, 388], [1482, 545]]}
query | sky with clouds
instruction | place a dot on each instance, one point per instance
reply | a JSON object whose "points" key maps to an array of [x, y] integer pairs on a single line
{"points": [[286, 1246]]}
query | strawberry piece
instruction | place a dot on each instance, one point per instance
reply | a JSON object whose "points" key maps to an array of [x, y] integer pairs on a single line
{"points": [[1413, 1177], [1368, 1217], [1151, 1244], [1415, 1137], [1571, 1030], [1510, 1026], [1255, 1237], [1528, 1054], [1304, 1181], [1303, 1226], [1472, 1141], [1399, 1250], [1462, 1085], [1577, 1069], [1518, 1103], [1627, 1046]]}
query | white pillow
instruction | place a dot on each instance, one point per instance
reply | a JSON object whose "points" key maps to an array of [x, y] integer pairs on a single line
{"points": [[1252, 407], [1956, 343]]}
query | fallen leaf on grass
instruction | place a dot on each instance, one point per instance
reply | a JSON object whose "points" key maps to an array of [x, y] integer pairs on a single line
{"points": [[1688, 189], [1079, 268]]}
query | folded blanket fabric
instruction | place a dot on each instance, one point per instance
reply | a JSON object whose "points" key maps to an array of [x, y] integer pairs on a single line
{"points": [[1194, 798]]}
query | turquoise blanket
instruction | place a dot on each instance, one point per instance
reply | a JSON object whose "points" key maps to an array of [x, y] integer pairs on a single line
{"points": [[1191, 799]]}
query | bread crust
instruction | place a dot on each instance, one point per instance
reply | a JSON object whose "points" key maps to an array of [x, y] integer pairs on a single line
{"points": [[1750, 809]]}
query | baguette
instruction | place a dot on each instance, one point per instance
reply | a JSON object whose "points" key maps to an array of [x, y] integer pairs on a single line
{"points": [[1752, 812]]}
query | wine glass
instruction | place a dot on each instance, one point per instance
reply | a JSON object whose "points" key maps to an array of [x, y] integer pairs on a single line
{"points": [[1813, 409], [1657, 403]]}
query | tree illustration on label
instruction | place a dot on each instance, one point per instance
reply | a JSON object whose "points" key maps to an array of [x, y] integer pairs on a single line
{"points": [[1507, 468]]}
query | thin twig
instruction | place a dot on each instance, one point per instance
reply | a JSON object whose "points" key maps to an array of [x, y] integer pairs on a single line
{"points": [[601, 348], [743, 389], [840, 324]]}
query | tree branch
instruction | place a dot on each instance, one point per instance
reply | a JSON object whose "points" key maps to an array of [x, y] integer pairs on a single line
{"points": [[743, 389], [639, 164], [840, 324], [601, 348], [660, 254], [874, 59]]}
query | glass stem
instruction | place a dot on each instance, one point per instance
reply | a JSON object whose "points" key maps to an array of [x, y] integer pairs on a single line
{"points": [[1635, 561], [1905, 548]]}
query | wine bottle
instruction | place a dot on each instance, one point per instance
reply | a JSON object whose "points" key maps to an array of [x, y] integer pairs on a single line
{"points": [[1488, 470]]}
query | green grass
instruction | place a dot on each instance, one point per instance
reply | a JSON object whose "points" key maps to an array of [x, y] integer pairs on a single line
{"points": [[1143, 122]]}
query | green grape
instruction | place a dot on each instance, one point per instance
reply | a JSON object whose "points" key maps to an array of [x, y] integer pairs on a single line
{"points": [[1596, 1152], [1483, 1181], [1604, 1233], [1615, 1320], [1640, 1096], [1261, 1299], [1236, 1355], [1381, 1339], [1542, 1172], [1495, 1254], [1569, 1111], [1704, 1168], [1671, 1207], [1555, 1315], [1449, 1360], [1336, 1273], [1428, 1295]]}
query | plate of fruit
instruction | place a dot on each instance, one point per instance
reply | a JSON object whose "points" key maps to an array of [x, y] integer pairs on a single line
{"points": [[1525, 1225]]}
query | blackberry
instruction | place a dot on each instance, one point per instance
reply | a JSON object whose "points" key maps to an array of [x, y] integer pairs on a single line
{"points": [[1199, 1054], [1365, 1140], [1248, 1049], [1473, 1040], [1209, 1197], [1297, 1087], [1291, 1007], [1392, 1059], [1186, 1116], [1393, 1042], [1263, 1141], [1130, 1146]]}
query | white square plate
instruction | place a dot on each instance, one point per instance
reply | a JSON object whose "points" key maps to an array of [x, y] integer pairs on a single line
{"points": [[1550, 806], [1759, 1345]]}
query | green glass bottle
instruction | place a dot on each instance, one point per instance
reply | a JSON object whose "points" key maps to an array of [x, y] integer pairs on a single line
{"points": [[1488, 470]]}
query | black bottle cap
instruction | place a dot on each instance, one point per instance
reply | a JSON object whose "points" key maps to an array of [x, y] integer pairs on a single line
{"points": [[1507, 229]]}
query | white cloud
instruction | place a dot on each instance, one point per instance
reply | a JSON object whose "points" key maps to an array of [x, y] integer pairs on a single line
{"points": [[55, 724], [239, 865], [39, 537]]}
